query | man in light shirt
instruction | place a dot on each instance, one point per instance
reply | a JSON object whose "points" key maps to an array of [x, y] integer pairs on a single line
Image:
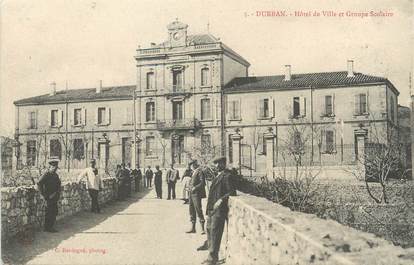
{"points": [[93, 184]]}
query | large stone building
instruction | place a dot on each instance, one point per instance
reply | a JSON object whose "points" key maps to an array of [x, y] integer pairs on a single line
{"points": [[194, 96]]}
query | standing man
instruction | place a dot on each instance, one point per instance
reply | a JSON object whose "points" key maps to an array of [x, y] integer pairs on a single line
{"points": [[158, 181], [93, 184], [49, 186], [148, 177], [217, 208], [172, 176], [197, 192], [136, 173], [125, 179]]}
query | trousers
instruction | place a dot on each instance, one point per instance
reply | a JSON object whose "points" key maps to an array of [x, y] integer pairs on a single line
{"points": [[196, 208], [51, 213], [158, 188], [171, 190], [95, 203], [215, 228]]}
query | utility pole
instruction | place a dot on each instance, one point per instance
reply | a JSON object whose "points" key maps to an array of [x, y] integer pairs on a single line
{"points": [[134, 147]]}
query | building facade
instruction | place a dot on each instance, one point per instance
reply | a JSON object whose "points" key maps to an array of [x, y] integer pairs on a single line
{"points": [[194, 98]]}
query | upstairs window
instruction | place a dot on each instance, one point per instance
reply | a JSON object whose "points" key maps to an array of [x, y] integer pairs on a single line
{"points": [[177, 80], [264, 108], [299, 107], [32, 115], [329, 105], [205, 74], [177, 107], [150, 111], [77, 116], [101, 116], [361, 104], [234, 110], [54, 118], [205, 109], [150, 81]]}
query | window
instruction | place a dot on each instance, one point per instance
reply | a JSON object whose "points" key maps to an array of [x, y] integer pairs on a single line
{"points": [[297, 142], [150, 81], [54, 118], [150, 111], [101, 115], [31, 153], [230, 148], [77, 116], [177, 80], [299, 107], [264, 145], [392, 109], [205, 142], [78, 149], [328, 141], [150, 144], [264, 108], [32, 120], [204, 76], [234, 110], [361, 104], [55, 148], [177, 107], [328, 105], [205, 109]]}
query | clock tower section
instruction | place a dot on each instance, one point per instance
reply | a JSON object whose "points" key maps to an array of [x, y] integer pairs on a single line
{"points": [[177, 34]]}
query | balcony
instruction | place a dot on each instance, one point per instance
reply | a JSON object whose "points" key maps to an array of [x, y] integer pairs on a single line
{"points": [[178, 90], [184, 124], [162, 50]]}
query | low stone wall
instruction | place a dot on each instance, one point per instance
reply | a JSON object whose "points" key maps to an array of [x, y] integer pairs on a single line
{"points": [[262, 232], [23, 208]]}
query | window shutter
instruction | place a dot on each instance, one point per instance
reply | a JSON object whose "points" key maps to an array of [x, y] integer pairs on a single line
{"points": [[83, 116], [356, 104], [231, 109], [108, 115], [303, 106], [238, 109], [334, 140], [271, 107], [28, 119], [36, 118], [367, 100], [323, 140], [333, 104], [49, 118], [261, 108], [97, 116], [60, 118], [260, 143], [72, 117]]}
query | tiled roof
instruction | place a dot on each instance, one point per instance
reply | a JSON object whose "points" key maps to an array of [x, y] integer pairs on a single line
{"points": [[316, 80], [87, 94]]}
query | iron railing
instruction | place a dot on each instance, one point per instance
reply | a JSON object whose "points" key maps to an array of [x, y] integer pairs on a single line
{"points": [[178, 124]]}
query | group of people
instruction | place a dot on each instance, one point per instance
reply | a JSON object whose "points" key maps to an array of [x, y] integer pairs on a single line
{"points": [[194, 190]]}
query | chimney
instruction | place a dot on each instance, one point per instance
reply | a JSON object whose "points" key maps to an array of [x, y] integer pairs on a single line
{"points": [[288, 75], [99, 87], [52, 89], [350, 68], [153, 44]]}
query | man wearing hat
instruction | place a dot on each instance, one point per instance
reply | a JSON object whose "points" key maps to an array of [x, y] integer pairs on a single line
{"points": [[217, 208], [197, 192], [49, 186], [93, 184]]}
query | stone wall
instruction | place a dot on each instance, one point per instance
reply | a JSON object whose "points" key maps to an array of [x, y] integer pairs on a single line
{"points": [[262, 232], [22, 208]]}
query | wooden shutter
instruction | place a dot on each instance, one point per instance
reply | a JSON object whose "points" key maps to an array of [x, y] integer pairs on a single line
{"points": [[36, 118], [323, 140], [49, 118], [356, 104], [28, 119], [271, 107], [83, 117], [60, 118], [367, 100], [97, 115], [302, 102], [232, 109], [261, 108], [333, 103], [72, 117], [108, 115]]}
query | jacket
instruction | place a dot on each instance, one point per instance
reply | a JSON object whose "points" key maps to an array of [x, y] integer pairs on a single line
{"points": [[172, 175], [198, 183], [50, 186], [93, 181], [221, 188]]}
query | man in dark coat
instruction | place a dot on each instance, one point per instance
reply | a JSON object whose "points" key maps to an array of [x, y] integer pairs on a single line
{"points": [[137, 175], [217, 208], [197, 192], [50, 186], [148, 177], [158, 181], [172, 176]]}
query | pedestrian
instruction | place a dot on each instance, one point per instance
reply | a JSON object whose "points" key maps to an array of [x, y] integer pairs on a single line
{"points": [[148, 177], [217, 208], [128, 180], [93, 184], [158, 181], [137, 175], [197, 192], [50, 186], [186, 186], [172, 176], [125, 179]]}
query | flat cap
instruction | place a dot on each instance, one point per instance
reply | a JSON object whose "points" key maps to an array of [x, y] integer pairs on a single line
{"points": [[219, 159], [92, 160], [54, 161]]}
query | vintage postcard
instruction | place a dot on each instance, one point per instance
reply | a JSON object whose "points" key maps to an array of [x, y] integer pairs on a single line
{"points": [[207, 132]]}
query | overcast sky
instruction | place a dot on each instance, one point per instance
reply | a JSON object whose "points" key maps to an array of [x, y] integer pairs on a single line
{"points": [[85, 41]]}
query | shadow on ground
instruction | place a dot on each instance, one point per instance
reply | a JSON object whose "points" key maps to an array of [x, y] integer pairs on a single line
{"points": [[20, 249]]}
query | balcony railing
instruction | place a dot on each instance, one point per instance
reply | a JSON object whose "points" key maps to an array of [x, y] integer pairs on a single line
{"points": [[184, 124], [160, 50], [178, 90]]}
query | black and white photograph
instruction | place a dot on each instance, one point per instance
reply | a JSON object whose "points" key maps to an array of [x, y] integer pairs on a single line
{"points": [[171, 132]]}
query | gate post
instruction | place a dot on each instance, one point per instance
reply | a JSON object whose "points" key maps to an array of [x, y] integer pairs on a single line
{"points": [[236, 139], [269, 137], [360, 157], [103, 152]]}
